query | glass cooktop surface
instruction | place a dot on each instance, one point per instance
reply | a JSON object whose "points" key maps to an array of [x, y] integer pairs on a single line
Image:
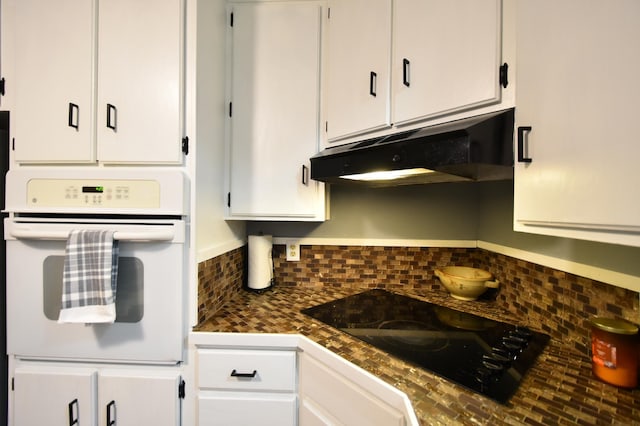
{"points": [[484, 355]]}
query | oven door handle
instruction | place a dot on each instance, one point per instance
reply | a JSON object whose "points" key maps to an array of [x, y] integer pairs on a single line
{"points": [[149, 235]]}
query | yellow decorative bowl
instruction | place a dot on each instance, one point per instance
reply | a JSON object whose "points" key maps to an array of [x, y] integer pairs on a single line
{"points": [[465, 283]]}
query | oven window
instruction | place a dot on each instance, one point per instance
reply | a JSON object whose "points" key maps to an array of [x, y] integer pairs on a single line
{"points": [[129, 291]]}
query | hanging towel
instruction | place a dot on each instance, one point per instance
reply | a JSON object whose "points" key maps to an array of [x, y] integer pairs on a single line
{"points": [[89, 277]]}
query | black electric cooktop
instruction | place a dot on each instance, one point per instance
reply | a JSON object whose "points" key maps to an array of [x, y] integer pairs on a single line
{"points": [[486, 356]]}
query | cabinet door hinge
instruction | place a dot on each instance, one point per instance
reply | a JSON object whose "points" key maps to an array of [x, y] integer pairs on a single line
{"points": [[231, 20], [181, 389], [504, 75], [228, 199], [185, 145], [2, 86]]}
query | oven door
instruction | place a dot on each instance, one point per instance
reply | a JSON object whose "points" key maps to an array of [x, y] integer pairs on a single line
{"points": [[149, 323]]}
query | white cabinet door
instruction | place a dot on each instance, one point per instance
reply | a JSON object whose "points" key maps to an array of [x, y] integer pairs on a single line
{"points": [[133, 399], [139, 81], [54, 396], [48, 395], [359, 67], [275, 108], [578, 88], [53, 103], [97, 81], [446, 56], [328, 398], [242, 409]]}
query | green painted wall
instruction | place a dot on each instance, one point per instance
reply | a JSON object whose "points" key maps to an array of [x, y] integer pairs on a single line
{"points": [[455, 211]]}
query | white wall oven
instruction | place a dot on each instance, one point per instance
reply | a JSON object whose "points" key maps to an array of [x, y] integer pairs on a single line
{"points": [[146, 210]]}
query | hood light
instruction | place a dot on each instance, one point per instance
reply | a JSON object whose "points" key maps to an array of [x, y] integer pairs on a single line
{"points": [[388, 174]]}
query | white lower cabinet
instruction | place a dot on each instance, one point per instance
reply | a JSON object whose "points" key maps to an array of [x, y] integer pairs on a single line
{"points": [[285, 379], [243, 408], [328, 397], [86, 396], [54, 396], [246, 387]]}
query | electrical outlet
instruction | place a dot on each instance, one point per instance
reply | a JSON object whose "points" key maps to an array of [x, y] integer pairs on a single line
{"points": [[293, 251]]}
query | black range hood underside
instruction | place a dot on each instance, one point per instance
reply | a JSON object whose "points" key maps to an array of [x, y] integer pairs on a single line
{"points": [[473, 149]]}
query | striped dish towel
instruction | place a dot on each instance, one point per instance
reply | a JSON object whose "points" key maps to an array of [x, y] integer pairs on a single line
{"points": [[89, 277]]}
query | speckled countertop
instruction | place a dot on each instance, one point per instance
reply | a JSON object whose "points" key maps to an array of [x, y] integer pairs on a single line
{"points": [[558, 389]]}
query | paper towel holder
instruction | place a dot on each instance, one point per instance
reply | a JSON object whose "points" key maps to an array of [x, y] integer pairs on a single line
{"points": [[260, 265]]}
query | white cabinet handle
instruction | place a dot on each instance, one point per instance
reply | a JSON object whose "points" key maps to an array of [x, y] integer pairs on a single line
{"points": [[150, 235]]}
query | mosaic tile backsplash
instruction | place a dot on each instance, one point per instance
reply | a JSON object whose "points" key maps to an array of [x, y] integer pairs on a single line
{"points": [[558, 302]]}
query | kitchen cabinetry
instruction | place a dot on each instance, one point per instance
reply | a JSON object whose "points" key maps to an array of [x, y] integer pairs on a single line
{"points": [[244, 387], [56, 397], [289, 380], [88, 396], [97, 81], [359, 66], [446, 59], [329, 398], [577, 92], [274, 111]]}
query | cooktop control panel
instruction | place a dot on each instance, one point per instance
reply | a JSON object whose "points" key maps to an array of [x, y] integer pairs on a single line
{"points": [[96, 193]]}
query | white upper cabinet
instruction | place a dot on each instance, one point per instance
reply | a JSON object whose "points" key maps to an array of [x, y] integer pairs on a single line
{"points": [[577, 90], [446, 57], [140, 81], [274, 123], [52, 91], [358, 66], [407, 61], [97, 81]]}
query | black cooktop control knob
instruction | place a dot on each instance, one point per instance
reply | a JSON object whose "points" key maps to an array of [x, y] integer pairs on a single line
{"points": [[497, 359], [515, 337], [513, 344], [492, 364], [522, 332], [501, 354]]}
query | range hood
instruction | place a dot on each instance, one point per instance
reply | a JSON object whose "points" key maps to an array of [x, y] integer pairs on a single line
{"points": [[472, 149]]}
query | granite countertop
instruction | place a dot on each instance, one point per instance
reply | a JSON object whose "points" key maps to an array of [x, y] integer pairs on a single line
{"points": [[558, 389]]}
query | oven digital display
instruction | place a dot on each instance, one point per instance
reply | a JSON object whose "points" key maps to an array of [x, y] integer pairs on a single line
{"points": [[93, 189]]}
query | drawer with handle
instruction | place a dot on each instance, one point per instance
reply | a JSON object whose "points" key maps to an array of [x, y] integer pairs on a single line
{"points": [[257, 370]]}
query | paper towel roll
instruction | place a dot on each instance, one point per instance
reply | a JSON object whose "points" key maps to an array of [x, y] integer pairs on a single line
{"points": [[260, 261]]}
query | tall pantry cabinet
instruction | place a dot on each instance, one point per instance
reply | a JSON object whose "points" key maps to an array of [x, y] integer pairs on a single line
{"points": [[96, 80]]}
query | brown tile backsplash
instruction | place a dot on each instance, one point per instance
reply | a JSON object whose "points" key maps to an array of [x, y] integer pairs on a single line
{"points": [[219, 279], [557, 302]]}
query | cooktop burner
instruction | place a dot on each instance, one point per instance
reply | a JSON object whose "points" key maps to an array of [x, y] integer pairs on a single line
{"points": [[486, 356]]}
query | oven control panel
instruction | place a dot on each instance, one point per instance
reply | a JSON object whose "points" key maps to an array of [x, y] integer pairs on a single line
{"points": [[93, 193]]}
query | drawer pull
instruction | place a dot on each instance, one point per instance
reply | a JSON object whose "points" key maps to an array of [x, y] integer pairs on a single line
{"points": [[234, 373]]}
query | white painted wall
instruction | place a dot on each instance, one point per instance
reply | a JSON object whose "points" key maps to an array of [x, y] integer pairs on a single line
{"points": [[214, 236]]}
